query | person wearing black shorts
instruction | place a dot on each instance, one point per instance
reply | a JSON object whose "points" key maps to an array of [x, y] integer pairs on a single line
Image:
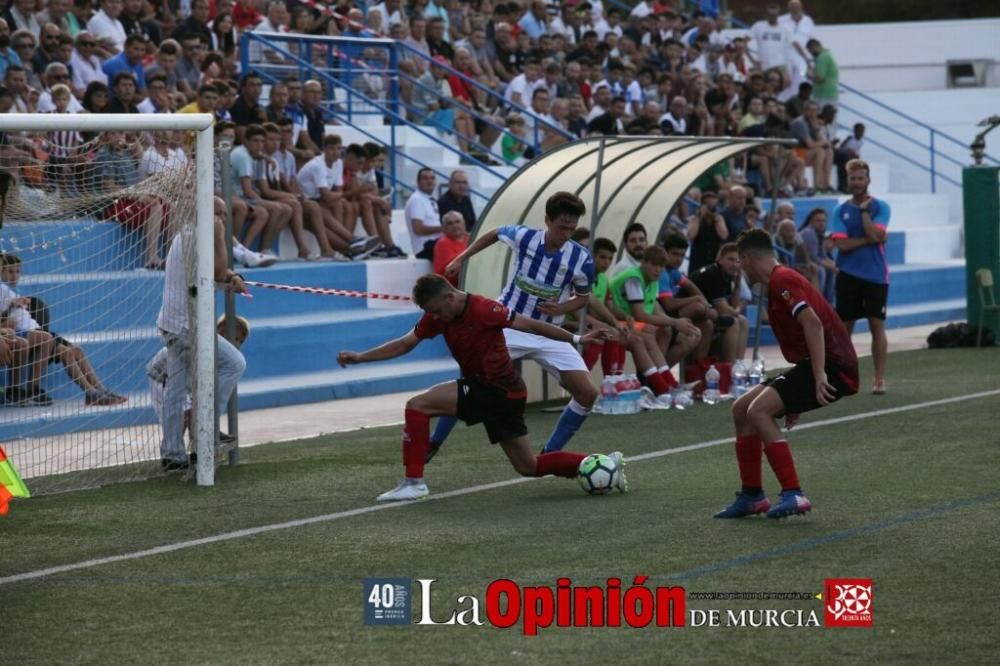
{"points": [[815, 340], [490, 390]]}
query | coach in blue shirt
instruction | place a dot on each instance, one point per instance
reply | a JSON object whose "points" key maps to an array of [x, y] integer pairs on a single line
{"points": [[129, 60], [860, 231]]}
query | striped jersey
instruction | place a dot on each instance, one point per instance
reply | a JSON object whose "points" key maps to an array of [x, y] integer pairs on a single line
{"points": [[539, 275]]}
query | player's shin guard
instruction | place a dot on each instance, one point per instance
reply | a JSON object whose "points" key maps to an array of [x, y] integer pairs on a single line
{"points": [[415, 441], [779, 455], [559, 463], [613, 358], [569, 422], [749, 451], [443, 428]]}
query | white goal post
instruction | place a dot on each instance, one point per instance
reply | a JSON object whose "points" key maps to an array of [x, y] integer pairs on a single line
{"points": [[203, 427]]}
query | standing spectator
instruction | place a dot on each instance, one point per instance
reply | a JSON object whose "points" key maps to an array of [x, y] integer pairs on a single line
{"points": [[85, 64], [105, 26], [706, 230], [128, 60], [824, 73], [456, 197], [451, 244], [422, 217], [814, 237], [848, 149], [859, 232], [773, 42], [801, 27]]}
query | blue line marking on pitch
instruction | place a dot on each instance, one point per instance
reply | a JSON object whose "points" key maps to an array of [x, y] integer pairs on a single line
{"points": [[834, 537]]}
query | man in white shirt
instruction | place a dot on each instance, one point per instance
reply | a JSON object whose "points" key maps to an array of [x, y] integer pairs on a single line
{"points": [[105, 26], [40, 345], [390, 13], [85, 64], [422, 218], [773, 41], [276, 20], [523, 86], [675, 120], [802, 28], [643, 9]]}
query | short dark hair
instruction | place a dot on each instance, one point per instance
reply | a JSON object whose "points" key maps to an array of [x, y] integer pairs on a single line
{"points": [[564, 203], [204, 88], [285, 122], [580, 234], [655, 255], [252, 131], [373, 149], [424, 170], [357, 151], [725, 249], [632, 228], [428, 287], [603, 245], [271, 128], [118, 77], [247, 77], [674, 241], [756, 242], [136, 37], [8, 259]]}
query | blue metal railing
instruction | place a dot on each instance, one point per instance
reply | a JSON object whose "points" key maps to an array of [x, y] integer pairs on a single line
{"points": [[932, 147], [339, 67]]}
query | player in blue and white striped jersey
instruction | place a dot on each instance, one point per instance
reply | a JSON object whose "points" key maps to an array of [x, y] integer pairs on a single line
{"points": [[552, 275]]}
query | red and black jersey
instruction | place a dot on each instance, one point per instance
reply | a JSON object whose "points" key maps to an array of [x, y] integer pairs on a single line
{"points": [[477, 342], [788, 294]]}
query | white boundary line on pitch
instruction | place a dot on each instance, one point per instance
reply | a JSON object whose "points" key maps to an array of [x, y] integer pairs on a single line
{"points": [[263, 529]]}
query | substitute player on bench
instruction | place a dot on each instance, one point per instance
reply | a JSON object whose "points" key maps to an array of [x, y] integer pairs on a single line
{"points": [[489, 391], [812, 337]]}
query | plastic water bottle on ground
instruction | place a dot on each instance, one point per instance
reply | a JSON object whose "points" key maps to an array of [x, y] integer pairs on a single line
{"points": [[739, 383], [609, 396], [757, 374], [711, 394]]}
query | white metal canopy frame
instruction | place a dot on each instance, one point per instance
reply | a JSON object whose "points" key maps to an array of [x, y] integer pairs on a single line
{"points": [[203, 395], [621, 179]]}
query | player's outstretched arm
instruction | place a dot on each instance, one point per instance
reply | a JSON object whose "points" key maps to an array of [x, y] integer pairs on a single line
{"points": [[528, 325], [391, 349], [480, 244]]}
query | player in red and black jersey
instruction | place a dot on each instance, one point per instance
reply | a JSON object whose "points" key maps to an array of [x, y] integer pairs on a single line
{"points": [[489, 391], [812, 337]]}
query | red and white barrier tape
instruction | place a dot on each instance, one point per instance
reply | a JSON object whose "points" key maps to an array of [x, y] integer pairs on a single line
{"points": [[328, 292]]}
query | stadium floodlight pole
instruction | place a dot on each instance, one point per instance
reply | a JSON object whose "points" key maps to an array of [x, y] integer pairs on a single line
{"points": [[204, 279], [233, 409]]}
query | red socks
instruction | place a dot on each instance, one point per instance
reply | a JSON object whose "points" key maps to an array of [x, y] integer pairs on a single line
{"points": [[591, 354], [613, 358], [657, 383], [668, 377], [416, 439], [749, 450], [780, 457], [558, 463]]}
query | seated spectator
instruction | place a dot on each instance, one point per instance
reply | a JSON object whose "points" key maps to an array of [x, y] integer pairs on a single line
{"points": [[126, 94], [369, 206], [819, 151], [188, 67], [243, 159], [48, 51], [681, 298], [377, 195], [581, 236], [267, 182], [107, 28], [85, 64], [819, 246], [158, 99], [246, 110], [610, 122], [36, 348], [115, 167], [719, 283], [56, 73], [456, 197], [422, 217], [512, 145], [452, 243], [73, 358], [166, 63], [792, 251]]}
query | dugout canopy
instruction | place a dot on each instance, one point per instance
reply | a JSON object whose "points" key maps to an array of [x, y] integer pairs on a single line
{"points": [[631, 179]]}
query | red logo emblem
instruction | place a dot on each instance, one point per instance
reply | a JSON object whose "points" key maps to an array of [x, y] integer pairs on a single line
{"points": [[847, 602]]}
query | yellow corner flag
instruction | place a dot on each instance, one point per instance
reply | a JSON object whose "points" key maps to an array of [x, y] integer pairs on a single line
{"points": [[11, 484]]}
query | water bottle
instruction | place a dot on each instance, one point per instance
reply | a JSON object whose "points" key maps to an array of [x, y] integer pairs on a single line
{"points": [[609, 396], [634, 394], [757, 374], [711, 394], [739, 383]]}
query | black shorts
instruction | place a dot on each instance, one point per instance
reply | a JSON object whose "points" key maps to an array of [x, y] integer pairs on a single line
{"points": [[797, 388], [860, 299], [502, 416]]}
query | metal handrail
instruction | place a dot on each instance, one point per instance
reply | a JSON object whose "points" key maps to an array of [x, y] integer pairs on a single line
{"points": [[906, 158]]}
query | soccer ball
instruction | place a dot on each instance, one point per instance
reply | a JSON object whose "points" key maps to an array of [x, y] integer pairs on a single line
{"points": [[597, 474]]}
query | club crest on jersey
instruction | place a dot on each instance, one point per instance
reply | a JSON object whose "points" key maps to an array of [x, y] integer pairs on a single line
{"points": [[497, 307], [787, 295]]}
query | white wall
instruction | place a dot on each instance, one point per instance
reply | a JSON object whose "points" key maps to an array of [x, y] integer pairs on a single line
{"points": [[910, 56]]}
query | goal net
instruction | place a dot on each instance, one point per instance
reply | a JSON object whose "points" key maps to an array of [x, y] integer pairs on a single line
{"points": [[90, 205]]}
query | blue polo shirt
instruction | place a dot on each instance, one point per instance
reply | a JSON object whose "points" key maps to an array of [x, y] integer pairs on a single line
{"points": [[119, 63], [868, 261]]}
